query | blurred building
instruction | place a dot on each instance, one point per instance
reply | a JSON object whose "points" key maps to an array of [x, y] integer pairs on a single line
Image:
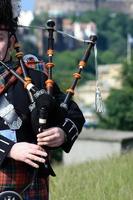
{"points": [[78, 6], [125, 6], [63, 6]]}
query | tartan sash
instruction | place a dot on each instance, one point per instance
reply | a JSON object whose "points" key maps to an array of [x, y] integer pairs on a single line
{"points": [[17, 175]]}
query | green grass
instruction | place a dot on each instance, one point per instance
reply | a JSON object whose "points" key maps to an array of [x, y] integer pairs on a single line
{"points": [[110, 179]]}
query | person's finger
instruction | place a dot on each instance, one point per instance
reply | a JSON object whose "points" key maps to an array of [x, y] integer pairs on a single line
{"points": [[35, 146], [36, 158], [45, 133], [38, 152], [47, 139], [31, 163], [50, 144]]}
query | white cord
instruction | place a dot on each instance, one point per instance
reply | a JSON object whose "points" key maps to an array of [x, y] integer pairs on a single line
{"points": [[99, 105], [58, 31]]}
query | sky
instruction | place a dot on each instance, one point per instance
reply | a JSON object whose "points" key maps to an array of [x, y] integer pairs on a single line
{"points": [[27, 4], [25, 18]]}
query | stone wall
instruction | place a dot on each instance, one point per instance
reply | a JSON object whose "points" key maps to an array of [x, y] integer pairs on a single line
{"points": [[98, 144]]}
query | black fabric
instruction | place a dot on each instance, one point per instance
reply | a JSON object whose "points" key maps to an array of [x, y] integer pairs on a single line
{"points": [[18, 96], [44, 105], [6, 16], [71, 133], [5, 147]]}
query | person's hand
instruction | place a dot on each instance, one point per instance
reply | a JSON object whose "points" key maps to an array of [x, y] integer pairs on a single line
{"points": [[52, 137], [31, 154]]}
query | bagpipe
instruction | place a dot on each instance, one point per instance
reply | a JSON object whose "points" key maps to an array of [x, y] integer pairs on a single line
{"points": [[42, 101]]}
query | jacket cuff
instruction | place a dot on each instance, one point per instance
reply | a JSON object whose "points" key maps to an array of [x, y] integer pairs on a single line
{"points": [[71, 134], [5, 147]]}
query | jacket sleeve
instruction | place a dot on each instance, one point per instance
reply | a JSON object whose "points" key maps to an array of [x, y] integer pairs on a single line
{"points": [[72, 126], [5, 147], [72, 122]]}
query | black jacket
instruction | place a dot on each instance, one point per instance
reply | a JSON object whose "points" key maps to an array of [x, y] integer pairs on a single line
{"points": [[71, 123]]}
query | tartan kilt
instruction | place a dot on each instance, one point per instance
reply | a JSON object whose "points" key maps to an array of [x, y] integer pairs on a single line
{"points": [[16, 176]]}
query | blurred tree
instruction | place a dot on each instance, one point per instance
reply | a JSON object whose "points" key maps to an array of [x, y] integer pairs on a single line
{"points": [[40, 20], [67, 63], [119, 104], [96, 2], [119, 107], [127, 75], [29, 48]]}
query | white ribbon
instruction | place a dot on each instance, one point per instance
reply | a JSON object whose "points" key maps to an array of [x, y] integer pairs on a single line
{"points": [[98, 97]]}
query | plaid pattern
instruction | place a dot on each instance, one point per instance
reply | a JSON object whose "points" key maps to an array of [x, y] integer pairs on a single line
{"points": [[38, 191], [4, 73], [17, 175], [6, 78]]}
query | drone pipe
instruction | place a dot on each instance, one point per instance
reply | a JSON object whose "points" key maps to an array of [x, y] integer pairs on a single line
{"points": [[49, 65], [19, 56], [77, 76]]}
